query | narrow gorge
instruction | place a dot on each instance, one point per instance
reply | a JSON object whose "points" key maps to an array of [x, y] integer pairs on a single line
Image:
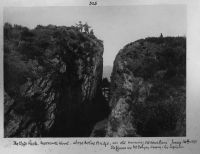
{"points": [[53, 85]]}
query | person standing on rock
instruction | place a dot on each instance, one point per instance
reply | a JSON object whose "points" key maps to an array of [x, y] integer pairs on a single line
{"points": [[86, 28], [80, 26]]}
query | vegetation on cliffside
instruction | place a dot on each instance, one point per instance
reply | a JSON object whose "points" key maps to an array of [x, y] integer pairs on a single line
{"points": [[148, 88], [52, 79], [53, 85]]}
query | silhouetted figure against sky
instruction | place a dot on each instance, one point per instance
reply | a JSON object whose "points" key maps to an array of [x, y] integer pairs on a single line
{"points": [[161, 35], [91, 32]]}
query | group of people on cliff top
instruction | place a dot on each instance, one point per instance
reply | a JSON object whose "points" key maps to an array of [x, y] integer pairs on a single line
{"points": [[84, 27]]}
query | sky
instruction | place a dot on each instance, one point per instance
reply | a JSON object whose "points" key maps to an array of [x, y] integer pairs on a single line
{"points": [[115, 25]]}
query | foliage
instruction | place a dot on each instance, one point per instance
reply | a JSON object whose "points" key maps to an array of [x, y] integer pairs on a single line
{"points": [[161, 63], [33, 53]]}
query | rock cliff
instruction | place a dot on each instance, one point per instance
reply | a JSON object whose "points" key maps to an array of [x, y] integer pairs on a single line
{"points": [[52, 77], [148, 89]]}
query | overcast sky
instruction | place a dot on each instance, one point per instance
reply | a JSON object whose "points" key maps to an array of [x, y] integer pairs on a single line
{"points": [[115, 25]]}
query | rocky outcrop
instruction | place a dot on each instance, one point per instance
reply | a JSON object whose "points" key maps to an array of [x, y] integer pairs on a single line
{"points": [[52, 78], [99, 129], [148, 89]]}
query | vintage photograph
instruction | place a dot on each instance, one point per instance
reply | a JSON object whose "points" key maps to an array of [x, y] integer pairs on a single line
{"points": [[108, 71]]}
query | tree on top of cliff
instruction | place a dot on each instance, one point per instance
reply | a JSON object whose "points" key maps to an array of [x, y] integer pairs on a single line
{"points": [[7, 30]]}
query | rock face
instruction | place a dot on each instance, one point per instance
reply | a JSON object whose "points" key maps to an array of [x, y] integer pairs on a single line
{"points": [[52, 78], [148, 89]]}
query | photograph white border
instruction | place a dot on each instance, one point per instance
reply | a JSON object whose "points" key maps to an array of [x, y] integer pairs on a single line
{"points": [[193, 82]]}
